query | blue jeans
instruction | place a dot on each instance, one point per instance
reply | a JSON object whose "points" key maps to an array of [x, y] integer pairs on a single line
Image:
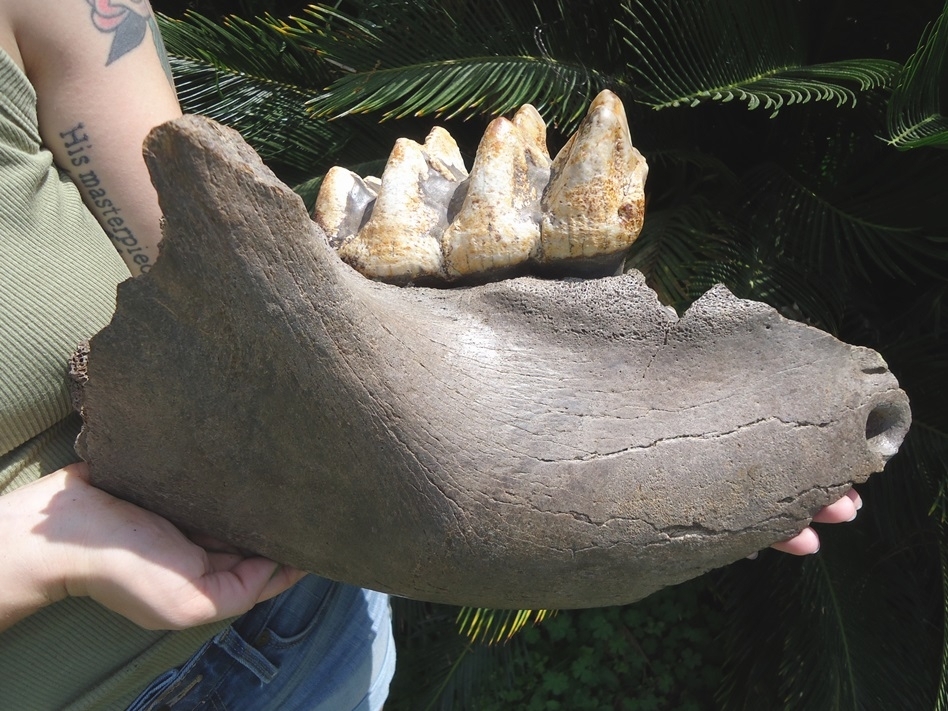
{"points": [[320, 645]]}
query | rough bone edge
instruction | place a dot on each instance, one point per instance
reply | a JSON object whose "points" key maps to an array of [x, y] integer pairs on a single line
{"points": [[526, 444]]}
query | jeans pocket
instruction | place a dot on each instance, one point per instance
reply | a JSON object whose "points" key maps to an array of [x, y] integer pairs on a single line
{"points": [[298, 612]]}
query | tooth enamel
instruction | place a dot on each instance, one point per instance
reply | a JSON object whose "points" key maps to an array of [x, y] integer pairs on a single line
{"points": [[577, 214], [498, 224], [595, 202], [342, 200], [533, 131], [444, 155], [400, 241]]}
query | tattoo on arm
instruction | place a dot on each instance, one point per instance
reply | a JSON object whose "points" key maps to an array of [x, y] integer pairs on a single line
{"points": [[79, 147], [128, 21]]}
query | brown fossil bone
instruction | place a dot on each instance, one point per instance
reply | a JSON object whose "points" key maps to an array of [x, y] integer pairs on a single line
{"points": [[525, 443]]}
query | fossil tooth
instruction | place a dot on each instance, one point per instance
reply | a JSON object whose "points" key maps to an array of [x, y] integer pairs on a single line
{"points": [[517, 210], [444, 155], [594, 205], [497, 227], [341, 203], [401, 240], [532, 128]]}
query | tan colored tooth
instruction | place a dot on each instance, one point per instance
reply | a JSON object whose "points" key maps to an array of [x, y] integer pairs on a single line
{"points": [[497, 227], [373, 183], [532, 129], [341, 203], [595, 202], [444, 155], [400, 241]]}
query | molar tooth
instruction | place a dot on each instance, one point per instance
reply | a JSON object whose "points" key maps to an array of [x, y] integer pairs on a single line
{"points": [[341, 203], [595, 202], [400, 241], [497, 227]]}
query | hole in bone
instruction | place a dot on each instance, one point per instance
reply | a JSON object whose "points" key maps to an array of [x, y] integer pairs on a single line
{"points": [[886, 427]]}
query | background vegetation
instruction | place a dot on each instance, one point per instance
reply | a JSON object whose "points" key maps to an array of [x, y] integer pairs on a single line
{"points": [[796, 155]]}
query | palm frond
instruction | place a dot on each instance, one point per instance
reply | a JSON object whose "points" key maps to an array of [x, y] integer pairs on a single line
{"points": [[916, 115], [489, 626], [464, 88], [679, 59], [251, 48], [271, 116], [246, 76], [465, 61], [839, 232]]}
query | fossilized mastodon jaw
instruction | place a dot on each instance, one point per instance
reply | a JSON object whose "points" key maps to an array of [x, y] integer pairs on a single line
{"points": [[427, 221], [525, 443]]}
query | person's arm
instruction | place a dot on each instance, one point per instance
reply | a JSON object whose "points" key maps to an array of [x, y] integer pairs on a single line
{"points": [[61, 536], [102, 83], [101, 87]]}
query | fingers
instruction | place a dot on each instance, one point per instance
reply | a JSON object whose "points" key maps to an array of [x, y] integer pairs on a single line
{"points": [[806, 542], [840, 511], [251, 580]]}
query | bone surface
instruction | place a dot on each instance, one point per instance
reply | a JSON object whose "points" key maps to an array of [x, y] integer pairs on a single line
{"points": [[510, 215], [527, 443]]}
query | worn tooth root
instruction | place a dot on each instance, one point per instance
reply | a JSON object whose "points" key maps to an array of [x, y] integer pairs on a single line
{"points": [[594, 205], [517, 210]]}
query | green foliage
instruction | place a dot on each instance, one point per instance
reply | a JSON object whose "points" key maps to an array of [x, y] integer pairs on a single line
{"points": [[658, 654], [495, 626], [762, 63], [916, 113]]}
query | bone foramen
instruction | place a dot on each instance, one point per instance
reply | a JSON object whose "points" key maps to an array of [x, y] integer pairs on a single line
{"points": [[431, 222]]}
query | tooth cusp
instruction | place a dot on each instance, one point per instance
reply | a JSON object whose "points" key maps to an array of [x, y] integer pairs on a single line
{"points": [[342, 201], [518, 210], [400, 241]]}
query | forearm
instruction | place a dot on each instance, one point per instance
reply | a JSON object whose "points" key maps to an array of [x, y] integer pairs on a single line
{"points": [[102, 83]]}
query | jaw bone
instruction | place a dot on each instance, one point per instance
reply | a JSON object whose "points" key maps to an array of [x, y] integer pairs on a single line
{"points": [[527, 443], [432, 223]]}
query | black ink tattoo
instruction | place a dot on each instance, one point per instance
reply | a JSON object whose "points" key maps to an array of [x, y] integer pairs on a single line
{"points": [[128, 21], [78, 147]]}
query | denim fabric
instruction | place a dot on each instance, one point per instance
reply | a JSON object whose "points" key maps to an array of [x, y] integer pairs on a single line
{"points": [[319, 646]]}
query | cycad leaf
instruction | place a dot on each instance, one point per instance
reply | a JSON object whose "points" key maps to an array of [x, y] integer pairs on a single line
{"points": [[673, 241], [271, 116], [433, 59], [465, 87], [679, 59], [916, 115], [838, 233], [489, 626]]}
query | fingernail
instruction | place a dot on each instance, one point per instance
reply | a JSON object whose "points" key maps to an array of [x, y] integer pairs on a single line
{"points": [[753, 556], [858, 501]]}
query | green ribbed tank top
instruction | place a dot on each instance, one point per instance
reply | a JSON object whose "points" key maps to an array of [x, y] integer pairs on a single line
{"points": [[58, 273]]}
